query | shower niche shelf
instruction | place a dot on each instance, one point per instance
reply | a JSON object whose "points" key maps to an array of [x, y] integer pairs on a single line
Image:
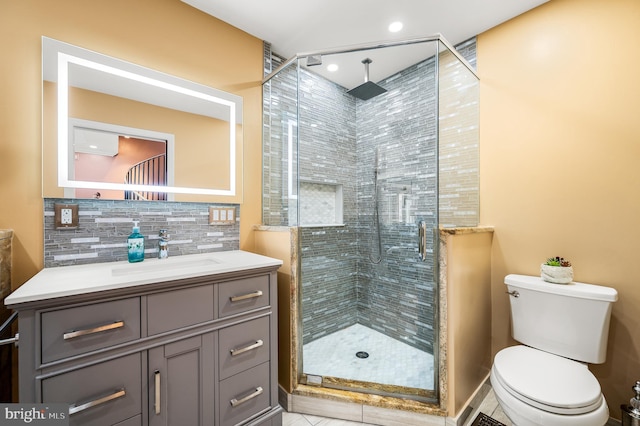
{"points": [[320, 204]]}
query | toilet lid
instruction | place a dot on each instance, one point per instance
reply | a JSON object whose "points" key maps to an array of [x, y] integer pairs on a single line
{"points": [[546, 381]]}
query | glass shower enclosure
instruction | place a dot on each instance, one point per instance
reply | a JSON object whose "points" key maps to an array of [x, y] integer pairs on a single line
{"points": [[368, 172]]}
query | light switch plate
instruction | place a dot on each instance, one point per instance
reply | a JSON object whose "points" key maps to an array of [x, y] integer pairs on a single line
{"points": [[221, 216], [66, 216]]}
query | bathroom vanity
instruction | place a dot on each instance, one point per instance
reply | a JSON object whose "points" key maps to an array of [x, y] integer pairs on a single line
{"points": [[189, 340]]}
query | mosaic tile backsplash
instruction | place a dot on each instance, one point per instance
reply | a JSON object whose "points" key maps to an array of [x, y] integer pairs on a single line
{"points": [[104, 226]]}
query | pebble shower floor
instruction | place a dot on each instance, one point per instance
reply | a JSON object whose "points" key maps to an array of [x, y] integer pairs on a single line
{"points": [[389, 362]]}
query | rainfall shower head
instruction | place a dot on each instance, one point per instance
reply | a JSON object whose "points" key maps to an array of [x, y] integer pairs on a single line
{"points": [[368, 89]]}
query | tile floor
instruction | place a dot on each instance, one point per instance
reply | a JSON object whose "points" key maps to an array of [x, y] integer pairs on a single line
{"points": [[390, 361], [490, 407], [295, 419]]}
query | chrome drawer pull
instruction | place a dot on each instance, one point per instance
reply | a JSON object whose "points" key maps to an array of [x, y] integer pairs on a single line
{"points": [[255, 345], [101, 328], [235, 402], [156, 403], [246, 296], [73, 408]]}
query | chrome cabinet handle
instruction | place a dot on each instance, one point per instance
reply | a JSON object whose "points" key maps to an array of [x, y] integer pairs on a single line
{"points": [[255, 345], [76, 408], [246, 296], [422, 240], [77, 333], [156, 403], [5, 326], [15, 339], [235, 402]]}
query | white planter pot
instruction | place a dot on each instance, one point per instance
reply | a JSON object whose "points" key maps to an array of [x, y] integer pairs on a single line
{"points": [[556, 274]]}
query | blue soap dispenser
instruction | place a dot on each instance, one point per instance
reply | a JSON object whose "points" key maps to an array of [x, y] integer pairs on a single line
{"points": [[135, 244]]}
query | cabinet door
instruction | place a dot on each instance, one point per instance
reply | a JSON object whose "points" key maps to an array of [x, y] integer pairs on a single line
{"points": [[181, 382]]}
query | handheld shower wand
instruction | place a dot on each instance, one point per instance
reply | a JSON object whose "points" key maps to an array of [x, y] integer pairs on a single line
{"points": [[376, 216]]}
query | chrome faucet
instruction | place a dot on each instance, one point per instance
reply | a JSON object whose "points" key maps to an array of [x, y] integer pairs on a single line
{"points": [[163, 244]]}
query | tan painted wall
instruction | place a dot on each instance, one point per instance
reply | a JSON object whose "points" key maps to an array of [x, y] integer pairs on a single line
{"points": [[560, 146], [167, 35], [468, 290]]}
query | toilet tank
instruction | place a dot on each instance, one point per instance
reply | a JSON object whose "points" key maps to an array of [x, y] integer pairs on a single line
{"points": [[570, 320]]}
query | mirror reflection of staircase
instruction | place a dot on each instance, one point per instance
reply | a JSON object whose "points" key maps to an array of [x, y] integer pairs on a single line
{"points": [[152, 171]]}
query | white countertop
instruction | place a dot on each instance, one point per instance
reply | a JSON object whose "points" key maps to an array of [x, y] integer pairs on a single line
{"points": [[82, 279]]}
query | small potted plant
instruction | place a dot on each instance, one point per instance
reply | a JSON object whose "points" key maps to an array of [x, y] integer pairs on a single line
{"points": [[557, 270]]}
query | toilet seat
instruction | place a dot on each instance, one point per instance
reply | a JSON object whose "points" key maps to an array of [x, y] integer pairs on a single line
{"points": [[546, 381]]}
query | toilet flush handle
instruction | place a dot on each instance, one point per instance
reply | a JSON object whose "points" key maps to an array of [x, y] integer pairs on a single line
{"points": [[513, 293]]}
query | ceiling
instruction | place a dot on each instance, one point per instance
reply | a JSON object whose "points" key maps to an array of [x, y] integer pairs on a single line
{"points": [[305, 26]]}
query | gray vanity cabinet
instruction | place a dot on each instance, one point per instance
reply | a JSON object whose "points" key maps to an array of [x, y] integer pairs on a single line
{"points": [[195, 351]]}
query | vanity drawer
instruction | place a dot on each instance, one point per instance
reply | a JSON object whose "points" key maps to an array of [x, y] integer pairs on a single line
{"points": [[101, 394], [74, 331], [171, 310], [244, 395], [243, 346], [243, 295]]}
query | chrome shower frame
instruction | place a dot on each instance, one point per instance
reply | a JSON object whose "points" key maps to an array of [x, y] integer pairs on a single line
{"points": [[368, 46]]}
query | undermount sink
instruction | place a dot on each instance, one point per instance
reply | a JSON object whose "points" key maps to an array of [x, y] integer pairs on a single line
{"points": [[164, 265]]}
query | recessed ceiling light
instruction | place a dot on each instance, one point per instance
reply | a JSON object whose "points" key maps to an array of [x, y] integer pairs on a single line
{"points": [[394, 27], [332, 67]]}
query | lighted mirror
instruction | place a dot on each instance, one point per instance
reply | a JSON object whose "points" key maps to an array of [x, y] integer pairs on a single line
{"points": [[116, 130]]}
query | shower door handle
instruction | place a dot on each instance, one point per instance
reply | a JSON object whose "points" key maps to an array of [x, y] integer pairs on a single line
{"points": [[422, 240]]}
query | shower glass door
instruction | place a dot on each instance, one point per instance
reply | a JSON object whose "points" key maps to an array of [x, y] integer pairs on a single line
{"points": [[368, 184]]}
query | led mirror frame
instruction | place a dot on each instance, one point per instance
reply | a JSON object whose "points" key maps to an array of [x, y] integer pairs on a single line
{"points": [[65, 149]]}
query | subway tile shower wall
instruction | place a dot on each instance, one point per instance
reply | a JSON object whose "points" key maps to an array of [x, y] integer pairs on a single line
{"points": [[105, 225]]}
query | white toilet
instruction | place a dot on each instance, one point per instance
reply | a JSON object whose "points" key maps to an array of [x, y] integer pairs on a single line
{"points": [[547, 382]]}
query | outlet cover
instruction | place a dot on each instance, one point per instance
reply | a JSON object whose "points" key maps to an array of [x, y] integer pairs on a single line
{"points": [[65, 216]]}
